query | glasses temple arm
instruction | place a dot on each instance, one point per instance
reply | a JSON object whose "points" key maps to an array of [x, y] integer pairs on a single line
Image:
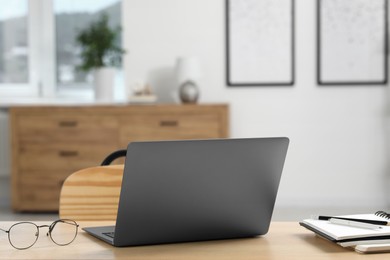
{"points": [[72, 222]]}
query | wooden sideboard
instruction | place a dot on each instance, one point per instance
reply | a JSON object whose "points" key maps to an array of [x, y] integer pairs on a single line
{"points": [[51, 142]]}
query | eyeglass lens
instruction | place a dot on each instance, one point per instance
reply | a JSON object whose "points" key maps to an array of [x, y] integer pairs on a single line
{"points": [[63, 232], [23, 235]]}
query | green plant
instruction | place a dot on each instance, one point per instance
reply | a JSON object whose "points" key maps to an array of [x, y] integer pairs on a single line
{"points": [[98, 45]]}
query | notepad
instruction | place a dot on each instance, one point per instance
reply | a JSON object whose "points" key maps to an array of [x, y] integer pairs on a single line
{"points": [[348, 235]]}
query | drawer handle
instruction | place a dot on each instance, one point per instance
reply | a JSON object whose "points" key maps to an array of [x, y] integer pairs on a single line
{"points": [[68, 153], [68, 123], [169, 123]]}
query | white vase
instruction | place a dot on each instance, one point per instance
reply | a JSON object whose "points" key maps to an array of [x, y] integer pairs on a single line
{"points": [[103, 81]]}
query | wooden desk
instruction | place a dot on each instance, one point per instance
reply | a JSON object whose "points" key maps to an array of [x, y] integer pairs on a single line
{"points": [[285, 240]]}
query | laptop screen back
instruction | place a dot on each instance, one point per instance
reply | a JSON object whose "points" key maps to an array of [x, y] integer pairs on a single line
{"points": [[179, 191]]}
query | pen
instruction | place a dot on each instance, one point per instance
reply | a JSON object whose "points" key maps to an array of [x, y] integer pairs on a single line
{"points": [[353, 223], [369, 221]]}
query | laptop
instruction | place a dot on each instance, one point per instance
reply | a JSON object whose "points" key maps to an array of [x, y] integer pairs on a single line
{"points": [[184, 191]]}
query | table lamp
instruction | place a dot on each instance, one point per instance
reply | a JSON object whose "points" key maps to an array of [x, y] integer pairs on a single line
{"points": [[188, 73]]}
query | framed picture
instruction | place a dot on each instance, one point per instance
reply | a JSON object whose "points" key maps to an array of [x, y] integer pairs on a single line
{"points": [[260, 42], [352, 42]]}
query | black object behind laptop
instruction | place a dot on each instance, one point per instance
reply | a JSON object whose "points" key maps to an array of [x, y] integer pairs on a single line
{"points": [[182, 191]]}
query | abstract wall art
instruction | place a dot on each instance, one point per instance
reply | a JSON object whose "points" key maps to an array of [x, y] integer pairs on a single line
{"points": [[260, 42], [352, 42]]}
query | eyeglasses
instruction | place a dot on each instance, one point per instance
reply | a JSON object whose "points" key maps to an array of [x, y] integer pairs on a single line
{"points": [[23, 235]]}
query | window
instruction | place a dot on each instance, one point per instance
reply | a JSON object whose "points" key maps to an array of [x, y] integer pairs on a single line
{"points": [[38, 51], [14, 42], [71, 16], [16, 50]]}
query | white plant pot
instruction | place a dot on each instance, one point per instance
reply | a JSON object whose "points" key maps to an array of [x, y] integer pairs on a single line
{"points": [[103, 81]]}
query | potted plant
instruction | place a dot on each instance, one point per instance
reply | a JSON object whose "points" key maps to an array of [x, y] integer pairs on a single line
{"points": [[100, 53]]}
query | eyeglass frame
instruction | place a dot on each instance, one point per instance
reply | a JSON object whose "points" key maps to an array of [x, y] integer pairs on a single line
{"points": [[51, 227]]}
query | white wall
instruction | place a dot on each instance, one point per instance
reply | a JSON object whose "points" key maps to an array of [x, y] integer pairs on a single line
{"points": [[338, 151]]}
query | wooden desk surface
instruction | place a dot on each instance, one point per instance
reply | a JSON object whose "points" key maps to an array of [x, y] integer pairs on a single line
{"points": [[285, 240]]}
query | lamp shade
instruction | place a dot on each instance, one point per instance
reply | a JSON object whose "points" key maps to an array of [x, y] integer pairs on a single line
{"points": [[188, 69]]}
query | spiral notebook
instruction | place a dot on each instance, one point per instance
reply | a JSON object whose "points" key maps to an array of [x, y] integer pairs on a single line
{"points": [[351, 236]]}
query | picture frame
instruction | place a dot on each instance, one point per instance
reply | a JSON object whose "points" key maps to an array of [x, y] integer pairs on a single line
{"points": [[352, 42], [260, 47]]}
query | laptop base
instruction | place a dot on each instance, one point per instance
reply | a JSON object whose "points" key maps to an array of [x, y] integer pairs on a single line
{"points": [[102, 233]]}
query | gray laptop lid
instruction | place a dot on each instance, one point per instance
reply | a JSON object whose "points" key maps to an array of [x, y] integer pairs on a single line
{"points": [[179, 191]]}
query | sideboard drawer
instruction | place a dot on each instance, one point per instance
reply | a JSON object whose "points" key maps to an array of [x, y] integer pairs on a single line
{"points": [[40, 190], [52, 128], [63, 156], [164, 127]]}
